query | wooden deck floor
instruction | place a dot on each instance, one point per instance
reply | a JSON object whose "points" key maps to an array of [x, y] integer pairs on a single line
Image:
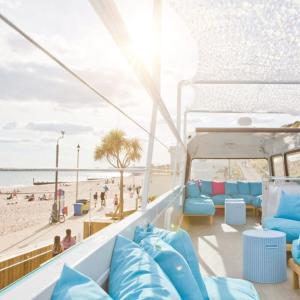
{"points": [[219, 248]]}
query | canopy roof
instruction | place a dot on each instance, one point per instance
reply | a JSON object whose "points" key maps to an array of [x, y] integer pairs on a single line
{"points": [[245, 41], [242, 142]]}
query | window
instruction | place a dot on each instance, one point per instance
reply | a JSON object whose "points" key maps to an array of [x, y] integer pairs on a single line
{"points": [[293, 162], [229, 169], [278, 165]]}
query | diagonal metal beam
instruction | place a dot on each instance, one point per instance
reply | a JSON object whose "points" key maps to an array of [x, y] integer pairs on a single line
{"points": [[112, 19]]}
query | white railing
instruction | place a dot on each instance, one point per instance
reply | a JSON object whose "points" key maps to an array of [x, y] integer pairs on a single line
{"points": [[92, 256]]}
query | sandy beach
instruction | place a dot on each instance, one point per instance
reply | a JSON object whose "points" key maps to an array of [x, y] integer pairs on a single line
{"points": [[25, 224]]}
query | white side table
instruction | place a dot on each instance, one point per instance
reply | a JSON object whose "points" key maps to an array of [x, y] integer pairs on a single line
{"points": [[235, 211], [264, 256]]}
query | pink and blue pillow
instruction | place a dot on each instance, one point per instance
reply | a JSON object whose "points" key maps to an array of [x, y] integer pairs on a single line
{"points": [[218, 188]]}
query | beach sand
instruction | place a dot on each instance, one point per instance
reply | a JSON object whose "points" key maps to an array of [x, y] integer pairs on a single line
{"points": [[26, 224]]}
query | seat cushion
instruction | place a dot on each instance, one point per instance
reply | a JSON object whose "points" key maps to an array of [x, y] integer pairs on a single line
{"points": [[220, 199], [174, 265], [244, 188], [73, 285], [223, 288], [231, 188], [193, 189], [255, 188], [135, 275], [246, 197], [206, 187], [289, 206], [181, 242], [257, 201], [218, 188], [199, 206], [290, 227]]}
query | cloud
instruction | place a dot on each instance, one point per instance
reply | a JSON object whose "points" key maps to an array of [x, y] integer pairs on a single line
{"points": [[69, 128], [14, 141], [10, 125]]}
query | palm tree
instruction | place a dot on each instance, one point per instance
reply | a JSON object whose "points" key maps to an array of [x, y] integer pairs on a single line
{"points": [[120, 152]]}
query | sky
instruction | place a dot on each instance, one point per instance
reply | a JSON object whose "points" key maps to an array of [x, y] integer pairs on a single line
{"points": [[38, 99]]}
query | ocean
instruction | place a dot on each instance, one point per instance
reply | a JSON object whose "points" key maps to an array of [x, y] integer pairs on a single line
{"points": [[26, 178]]}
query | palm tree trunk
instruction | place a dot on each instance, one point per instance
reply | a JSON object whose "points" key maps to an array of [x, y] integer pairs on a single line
{"points": [[121, 195]]}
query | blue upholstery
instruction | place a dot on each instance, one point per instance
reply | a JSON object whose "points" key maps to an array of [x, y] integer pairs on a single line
{"points": [[193, 190], [289, 207], [255, 188], [134, 275], [256, 202], [296, 250], [181, 242], [244, 188], [73, 285], [199, 206], [220, 199], [174, 265], [221, 288], [247, 198], [290, 227], [206, 187], [231, 188]]}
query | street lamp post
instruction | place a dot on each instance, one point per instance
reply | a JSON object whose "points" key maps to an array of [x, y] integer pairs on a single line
{"points": [[78, 148], [56, 172]]}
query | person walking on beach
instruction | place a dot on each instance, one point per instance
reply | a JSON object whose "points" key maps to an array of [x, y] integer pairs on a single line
{"points": [[96, 198], [57, 246], [102, 198], [116, 201], [68, 241]]}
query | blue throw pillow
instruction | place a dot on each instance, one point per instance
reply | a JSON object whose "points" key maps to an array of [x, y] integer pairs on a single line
{"points": [[73, 285], [255, 188], [134, 275], [174, 266], [182, 243], [231, 188], [296, 250], [289, 207], [244, 188], [206, 187], [193, 190]]}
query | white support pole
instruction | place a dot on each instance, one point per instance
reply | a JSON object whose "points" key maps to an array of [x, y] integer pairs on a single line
{"points": [[156, 68]]}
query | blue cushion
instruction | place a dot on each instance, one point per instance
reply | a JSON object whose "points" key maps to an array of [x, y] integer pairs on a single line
{"points": [[206, 187], [73, 285], [174, 266], [135, 275], [246, 197], [255, 188], [220, 199], [244, 188], [257, 201], [296, 250], [221, 288], [231, 188], [199, 206], [289, 206], [193, 189], [181, 242], [290, 227]]}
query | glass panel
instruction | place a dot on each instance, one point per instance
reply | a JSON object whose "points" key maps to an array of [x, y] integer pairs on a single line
{"points": [[278, 165], [293, 161], [229, 169]]}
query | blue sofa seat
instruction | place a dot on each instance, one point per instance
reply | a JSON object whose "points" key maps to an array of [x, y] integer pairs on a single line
{"points": [[290, 227], [199, 206], [223, 288]]}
